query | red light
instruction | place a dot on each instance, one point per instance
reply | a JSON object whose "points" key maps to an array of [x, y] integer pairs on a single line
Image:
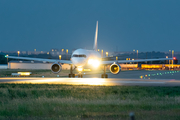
{"points": [[174, 58]]}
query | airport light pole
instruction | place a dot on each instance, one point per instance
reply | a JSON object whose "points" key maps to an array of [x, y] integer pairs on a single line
{"points": [[60, 57], [18, 53], [137, 54], [106, 54], [172, 57], [166, 60], [169, 53], [34, 51], [7, 58], [66, 54], [172, 53], [101, 53], [133, 53], [169, 57]]}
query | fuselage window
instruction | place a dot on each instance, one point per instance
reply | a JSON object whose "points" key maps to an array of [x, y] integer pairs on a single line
{"points": [[75, 55]]}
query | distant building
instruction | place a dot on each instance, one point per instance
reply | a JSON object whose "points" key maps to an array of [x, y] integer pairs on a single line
{"points": [[3, 66]]}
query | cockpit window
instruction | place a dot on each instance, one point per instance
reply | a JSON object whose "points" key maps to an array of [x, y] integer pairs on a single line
{"points": [[75, 55], [82, 56]]}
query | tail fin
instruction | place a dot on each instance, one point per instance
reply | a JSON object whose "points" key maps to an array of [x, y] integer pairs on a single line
{"points": [[95, 38]]}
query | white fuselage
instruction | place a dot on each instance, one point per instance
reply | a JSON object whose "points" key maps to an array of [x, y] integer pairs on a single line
{"points": [[82, 57]]}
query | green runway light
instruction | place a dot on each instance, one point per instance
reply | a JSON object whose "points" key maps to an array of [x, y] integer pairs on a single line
{"points": [[142, 76], [153, 74], [149, 75]]}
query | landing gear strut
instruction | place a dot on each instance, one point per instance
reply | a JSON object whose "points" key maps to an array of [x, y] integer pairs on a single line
{"points": [[71, 72], [80, 75], [104, 75]]}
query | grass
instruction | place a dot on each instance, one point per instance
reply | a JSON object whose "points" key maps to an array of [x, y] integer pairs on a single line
{"points": [[53, 101]]}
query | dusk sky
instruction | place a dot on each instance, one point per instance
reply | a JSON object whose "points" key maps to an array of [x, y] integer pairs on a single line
{"points": [[144, 25]]}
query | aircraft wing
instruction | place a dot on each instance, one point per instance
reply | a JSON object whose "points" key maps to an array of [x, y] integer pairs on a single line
{"points": [[139, 60], [41, 59]]}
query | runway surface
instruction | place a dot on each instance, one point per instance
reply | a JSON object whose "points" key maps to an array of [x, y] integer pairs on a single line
{"points": [[93, 81], [128, 78]]}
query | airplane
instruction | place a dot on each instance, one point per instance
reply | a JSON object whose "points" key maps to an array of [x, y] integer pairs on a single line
{"points": [[82, 57]]}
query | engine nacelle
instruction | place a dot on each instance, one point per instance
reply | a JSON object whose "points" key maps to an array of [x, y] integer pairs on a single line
{"points": [[56, 68], [115, 68]]}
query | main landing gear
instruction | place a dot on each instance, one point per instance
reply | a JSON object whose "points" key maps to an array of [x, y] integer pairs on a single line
{"points": [[104, 75], [71, 75], [71, 72]]}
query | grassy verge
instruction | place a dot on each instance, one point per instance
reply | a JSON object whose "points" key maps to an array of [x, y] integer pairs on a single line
{"points": [[51, 102]]}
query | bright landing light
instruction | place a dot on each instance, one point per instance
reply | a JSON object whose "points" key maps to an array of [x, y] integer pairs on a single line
{"points": [[79, 69], [95, 63]]}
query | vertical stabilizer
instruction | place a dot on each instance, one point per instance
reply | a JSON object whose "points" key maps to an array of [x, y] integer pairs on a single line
{"points": [[95, 38]]}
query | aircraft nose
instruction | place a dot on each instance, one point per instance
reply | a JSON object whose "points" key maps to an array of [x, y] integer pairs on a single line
{"points": [[79, 61]]}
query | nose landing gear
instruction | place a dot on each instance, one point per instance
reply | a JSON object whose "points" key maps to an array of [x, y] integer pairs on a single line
{"points": [[80, 75], [104, 75]]}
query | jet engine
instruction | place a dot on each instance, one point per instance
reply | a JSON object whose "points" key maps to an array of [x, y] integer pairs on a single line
{"points": [[115, 68], [56, 68]]}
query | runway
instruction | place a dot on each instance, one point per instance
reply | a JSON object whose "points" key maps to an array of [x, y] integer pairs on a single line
{"points": [[93, 81]]}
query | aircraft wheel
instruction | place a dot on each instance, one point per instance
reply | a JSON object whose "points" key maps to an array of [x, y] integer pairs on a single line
{"points": [[81, 75], [69, 75], [102, 76], [106, 76], [73, 75]]}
